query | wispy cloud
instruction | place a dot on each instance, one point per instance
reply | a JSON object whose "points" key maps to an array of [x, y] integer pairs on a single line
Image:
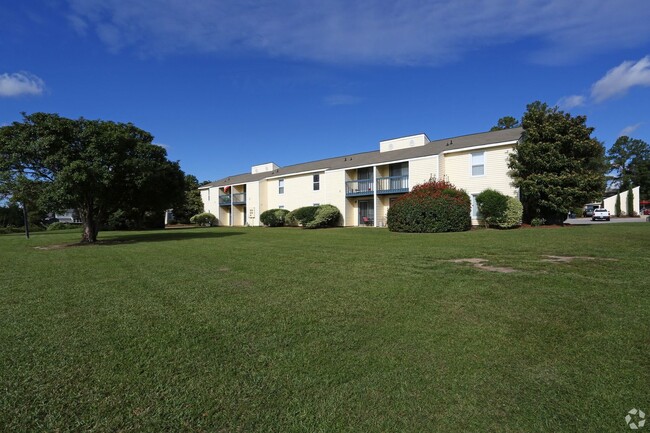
{"points": [[617, 81], [628, 130], [164, 146], [334, 100], [365, 31], [569, 102], [20, 83]]}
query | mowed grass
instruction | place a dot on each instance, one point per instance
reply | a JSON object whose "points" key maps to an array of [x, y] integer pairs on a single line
{"points": [[256, 329]]}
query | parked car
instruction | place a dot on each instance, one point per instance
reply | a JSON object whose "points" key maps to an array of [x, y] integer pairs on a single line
{"points": [[588, 210], [600, 215]]}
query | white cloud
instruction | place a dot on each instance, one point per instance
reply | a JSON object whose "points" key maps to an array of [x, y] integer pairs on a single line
{"points": [[164, 146], [568, 102], [365, 31], [628, 130], [617, 81], [20, 83], [341, 99]]}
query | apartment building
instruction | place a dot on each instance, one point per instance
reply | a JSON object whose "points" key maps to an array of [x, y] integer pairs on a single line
{"points": [[363, 185]]}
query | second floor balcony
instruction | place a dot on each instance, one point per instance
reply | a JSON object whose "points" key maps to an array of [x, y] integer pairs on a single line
{"points": [[393, 184], [354, 188], [236, 198], [385, 185]]}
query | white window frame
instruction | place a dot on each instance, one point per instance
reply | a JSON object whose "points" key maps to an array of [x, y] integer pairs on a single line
{"points": [[475, 214], [316, 182], [280, 186], [473, 163]]}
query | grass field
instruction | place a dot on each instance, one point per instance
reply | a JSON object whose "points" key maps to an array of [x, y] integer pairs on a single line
{"points": [[257, 329]]}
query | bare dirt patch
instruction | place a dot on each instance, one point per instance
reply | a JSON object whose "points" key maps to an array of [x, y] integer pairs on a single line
{"points": [[482, 265], [569, 259]]}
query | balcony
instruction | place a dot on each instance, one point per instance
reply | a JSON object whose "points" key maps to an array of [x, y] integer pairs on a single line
{"points": [[356, 188], [393, 184], [225, 200], [236, 198], [239, 198]]}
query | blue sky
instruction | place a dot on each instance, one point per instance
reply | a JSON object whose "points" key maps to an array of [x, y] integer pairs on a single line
{"points": [[227, 84]]}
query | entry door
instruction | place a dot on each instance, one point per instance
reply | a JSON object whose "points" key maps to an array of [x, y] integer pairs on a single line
{"points": [[366, 213]]}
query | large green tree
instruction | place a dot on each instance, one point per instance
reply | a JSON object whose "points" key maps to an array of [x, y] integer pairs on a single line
{"points": [[506, 122], [192, 203], [630, 163], [93, 166], [557, 165]]}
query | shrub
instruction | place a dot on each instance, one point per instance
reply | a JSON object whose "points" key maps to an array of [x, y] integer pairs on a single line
{"points": [[273, 217], [512, 215], [61, 226], [630, 202], [205, 219], [301, 216], [434, 206], [326, 216], [536, 222], [617, 205], [491, 205]]}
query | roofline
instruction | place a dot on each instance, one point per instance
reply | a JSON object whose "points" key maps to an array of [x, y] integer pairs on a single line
{"points": [[405, 136], [481, 146], [274, 175], [474, 133]]}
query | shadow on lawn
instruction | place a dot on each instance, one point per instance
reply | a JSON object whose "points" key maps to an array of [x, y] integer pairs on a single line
{"points": [[158, 236]]}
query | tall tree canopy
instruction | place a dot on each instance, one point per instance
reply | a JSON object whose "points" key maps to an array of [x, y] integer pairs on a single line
{"points": [[506, 122], [630, 163], [93, 166], [557, 166], [192, 203]]}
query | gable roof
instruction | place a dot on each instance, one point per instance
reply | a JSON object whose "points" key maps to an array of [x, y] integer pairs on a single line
{"points": [[435, 147]]}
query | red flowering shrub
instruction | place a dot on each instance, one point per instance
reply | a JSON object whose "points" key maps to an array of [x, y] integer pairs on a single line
{"points": [[432, 207]]}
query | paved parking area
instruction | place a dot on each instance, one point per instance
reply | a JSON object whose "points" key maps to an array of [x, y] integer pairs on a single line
{"points": [[584, 221]]}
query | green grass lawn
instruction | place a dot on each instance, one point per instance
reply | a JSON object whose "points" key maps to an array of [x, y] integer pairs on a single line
{"points": [[328, 330]]}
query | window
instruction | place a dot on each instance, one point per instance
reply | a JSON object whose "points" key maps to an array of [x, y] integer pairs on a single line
{"points": [[316, 182], [400, 169], [281, 186], [208, 194], [364, 173], [478, 164], [475, 213]]}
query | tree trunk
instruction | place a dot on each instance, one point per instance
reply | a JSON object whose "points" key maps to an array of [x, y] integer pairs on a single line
{"points": [[90, 225]]}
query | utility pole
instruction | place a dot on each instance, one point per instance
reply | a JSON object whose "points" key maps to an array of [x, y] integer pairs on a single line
{"points": [[25, 220]]}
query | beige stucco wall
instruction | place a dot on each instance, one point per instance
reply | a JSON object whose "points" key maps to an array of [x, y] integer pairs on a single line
{"points": [[610, 202], [422, 169], [458, 170], [209, 203], [253, 203], [298, 192], [333, 185]]}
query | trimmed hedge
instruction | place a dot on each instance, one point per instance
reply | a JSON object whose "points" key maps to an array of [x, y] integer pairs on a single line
{"points": [[274, 217], [205, 219], [513, 214], [326, 216], [492, 206], [314, 217], [432, 207], [301, 216]]}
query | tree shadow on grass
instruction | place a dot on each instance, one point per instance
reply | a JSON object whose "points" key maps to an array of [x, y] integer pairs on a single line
{"points": [[165, 236], [125, 238]]}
